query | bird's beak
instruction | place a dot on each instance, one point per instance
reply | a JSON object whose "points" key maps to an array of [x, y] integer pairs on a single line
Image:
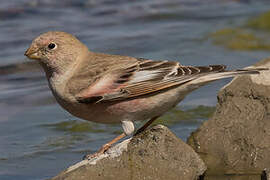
{"points": [[32, 53]]}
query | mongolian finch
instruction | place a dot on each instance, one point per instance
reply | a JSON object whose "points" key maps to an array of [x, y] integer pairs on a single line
{"points": [[108, 88]]}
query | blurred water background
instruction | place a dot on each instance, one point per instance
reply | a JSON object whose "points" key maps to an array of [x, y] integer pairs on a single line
{"points": [[38, 138]]}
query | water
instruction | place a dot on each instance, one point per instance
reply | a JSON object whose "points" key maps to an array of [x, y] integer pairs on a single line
{"points": [[37, 138]]}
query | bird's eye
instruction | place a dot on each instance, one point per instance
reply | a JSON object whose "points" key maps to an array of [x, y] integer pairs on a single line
{"points": [[52, 46]]}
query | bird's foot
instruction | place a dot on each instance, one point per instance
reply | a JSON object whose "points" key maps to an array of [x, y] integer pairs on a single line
{"points": [[104, 148], [101, 151]]}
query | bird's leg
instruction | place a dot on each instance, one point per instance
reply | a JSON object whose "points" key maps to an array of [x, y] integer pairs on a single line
{"points": [[148, 123], [105, 147]]}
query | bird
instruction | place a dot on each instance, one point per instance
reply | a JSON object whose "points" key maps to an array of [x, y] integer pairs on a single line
{"points": [[107, 88]]}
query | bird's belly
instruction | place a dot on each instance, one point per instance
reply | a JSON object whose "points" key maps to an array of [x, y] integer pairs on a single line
{"points": [[134, 109]]}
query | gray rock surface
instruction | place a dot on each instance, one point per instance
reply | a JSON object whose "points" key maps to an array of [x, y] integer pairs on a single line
{"points": [[236, 140], [155, 154]]}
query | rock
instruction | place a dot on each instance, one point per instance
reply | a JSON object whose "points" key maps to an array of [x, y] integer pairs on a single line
{"points": [[236, 140], [153, 154], [267, 175], [233, 177]]}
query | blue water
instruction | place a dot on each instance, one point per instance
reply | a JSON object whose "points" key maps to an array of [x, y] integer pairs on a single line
{"points": [[31, 148]]}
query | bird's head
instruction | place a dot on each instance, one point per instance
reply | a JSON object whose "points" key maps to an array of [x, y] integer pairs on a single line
{"points": [[56, 50]]}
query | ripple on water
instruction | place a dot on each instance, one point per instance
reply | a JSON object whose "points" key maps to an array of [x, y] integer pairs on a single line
{"points": [[38, 138]]}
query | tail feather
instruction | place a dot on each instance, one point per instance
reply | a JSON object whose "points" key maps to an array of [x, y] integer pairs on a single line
{"points": [[226, 74]]}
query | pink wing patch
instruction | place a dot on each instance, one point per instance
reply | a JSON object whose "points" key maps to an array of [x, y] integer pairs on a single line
{"points": [[105, 85], [109, 84]]}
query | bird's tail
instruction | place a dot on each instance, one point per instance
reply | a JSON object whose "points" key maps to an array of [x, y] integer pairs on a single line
{"points": [[226, 74]]}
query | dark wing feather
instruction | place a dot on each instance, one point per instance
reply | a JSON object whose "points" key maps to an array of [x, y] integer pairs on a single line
{"points": [[153, 76]]}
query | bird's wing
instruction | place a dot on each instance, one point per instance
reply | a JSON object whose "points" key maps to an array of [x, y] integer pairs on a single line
{"points": [[144, 77]]}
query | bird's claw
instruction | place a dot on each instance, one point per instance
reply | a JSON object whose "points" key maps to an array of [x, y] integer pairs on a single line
{"points": [[101, 151]]}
